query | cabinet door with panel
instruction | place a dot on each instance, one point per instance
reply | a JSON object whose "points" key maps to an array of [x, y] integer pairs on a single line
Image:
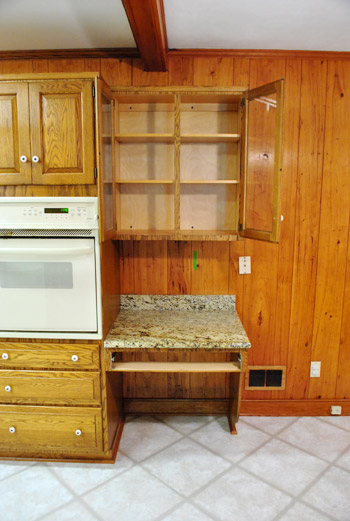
{"points": [[62, 131], [15, 166]]}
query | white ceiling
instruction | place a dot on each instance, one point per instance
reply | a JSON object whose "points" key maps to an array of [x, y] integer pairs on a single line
{"points": [[63, 24], [258, 24], [221, 24]]}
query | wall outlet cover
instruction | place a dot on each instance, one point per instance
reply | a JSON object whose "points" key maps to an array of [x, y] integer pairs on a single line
{"points": [[244, 266], [315, 369], [335, 410]]}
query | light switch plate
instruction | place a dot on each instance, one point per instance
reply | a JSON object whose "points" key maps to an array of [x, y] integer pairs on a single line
{"points": [[244, 266], [315, 369]]}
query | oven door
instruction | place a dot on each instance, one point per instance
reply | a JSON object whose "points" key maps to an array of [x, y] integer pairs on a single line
{"points": [[48, 285]]}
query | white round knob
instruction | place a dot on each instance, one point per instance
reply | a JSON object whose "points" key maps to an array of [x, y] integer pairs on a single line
{"points": [[8, 388], [35, 159], [75, 358], [78, 432], [12, 430], [282, 217], [4, 356], [23, 159]]}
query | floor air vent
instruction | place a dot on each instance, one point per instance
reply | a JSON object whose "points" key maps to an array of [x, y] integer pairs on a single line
{"points": [[266, 378]]}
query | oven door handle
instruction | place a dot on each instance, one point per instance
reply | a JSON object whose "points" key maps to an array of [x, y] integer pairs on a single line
{"points": [[45, 251]]}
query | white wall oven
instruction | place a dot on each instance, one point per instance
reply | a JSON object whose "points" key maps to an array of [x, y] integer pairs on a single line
{"points": [[49, 268]]}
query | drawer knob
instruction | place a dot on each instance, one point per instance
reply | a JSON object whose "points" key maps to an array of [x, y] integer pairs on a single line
{"points": [[78, 432], [75, 358], [23, 159], [12, 430], [4, 356], [35, 159], [8, 388]]}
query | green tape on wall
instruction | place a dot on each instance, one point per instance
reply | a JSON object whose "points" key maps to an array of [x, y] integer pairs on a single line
{"points": [[194, 260]]}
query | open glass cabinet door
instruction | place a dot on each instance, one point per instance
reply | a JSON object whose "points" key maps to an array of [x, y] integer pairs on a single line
{"points": [[105, 111], [259, 216]]}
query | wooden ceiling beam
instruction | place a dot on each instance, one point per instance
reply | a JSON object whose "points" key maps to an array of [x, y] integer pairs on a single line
{"points": [[147, 22]]}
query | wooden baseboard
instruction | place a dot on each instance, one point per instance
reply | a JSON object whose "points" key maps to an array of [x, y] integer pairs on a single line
{"points": [[292, 407], [248, 407]]}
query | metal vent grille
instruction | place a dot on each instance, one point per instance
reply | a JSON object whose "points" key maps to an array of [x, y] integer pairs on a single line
{"points": [[44, 233]]}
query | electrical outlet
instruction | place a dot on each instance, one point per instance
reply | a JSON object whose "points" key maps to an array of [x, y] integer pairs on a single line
{"points": [[336, 410], [244, 267], [315, 369]]}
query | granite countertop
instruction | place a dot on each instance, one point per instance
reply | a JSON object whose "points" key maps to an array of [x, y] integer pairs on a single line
{"points": [[177, 321]]}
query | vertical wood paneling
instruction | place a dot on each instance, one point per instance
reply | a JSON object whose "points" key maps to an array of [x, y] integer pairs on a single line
{"points": [[213, 72], [142, 78], [116, 72], [69, 65], [179, 267], [236, 281], [211, 275], [150, 265], [307, 217], [180, 70], [343, 380], [15, 66], [92, 65], [288, 195], [127, 271], [40, 66], [241, 68], [332, 257]]}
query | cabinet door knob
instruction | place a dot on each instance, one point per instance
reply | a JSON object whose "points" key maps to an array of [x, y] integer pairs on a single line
{"points": [[23, 159], [35, 159], [75, 358], [12, 430], [4, 356], [78, 432], [8, 388]]}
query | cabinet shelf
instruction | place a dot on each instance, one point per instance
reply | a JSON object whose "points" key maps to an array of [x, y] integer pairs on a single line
{"points": [[210, 138], [145, 138], [145, 181], [209, 182], [180, 235]]}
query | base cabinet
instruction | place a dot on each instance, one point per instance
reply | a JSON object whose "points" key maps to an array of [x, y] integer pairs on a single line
{"points": [[51, 401]]}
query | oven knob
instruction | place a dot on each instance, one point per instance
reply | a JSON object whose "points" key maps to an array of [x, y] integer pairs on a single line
{"points": [[35, 159], [23, 159], [78, 432], [75, 358], [12, 430], [4, 356], [8, 388]]}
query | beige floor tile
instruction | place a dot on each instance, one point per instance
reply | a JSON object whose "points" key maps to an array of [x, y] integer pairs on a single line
{"points": [[317, 437], [75, 511], [269, 424], [134, 495], [217, 437], [331, 494], [337, 421], [186, 424], [238, 495], [143, 437], [7, 468], [187, 512], [300, 512], [82, 477], [186, 466], [30, 494], [344, 461], [285, 467]]}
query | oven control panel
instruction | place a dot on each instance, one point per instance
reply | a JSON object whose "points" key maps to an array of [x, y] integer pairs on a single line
{"points": [[49, 212]]}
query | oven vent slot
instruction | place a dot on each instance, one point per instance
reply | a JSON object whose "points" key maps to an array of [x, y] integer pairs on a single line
{"points": [[44, 233]]}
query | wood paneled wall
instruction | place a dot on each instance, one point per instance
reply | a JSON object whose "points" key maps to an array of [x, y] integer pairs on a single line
{"points": [[295, 305]]}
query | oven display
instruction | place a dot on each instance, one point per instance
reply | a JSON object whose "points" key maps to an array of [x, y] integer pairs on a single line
{"points": [[56, 210]]}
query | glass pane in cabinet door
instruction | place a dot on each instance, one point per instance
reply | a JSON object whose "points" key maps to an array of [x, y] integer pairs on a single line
{"points": [[107, 162], [260, 163]]}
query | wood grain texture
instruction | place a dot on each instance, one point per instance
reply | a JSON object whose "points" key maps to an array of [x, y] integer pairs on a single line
{"points": [[334, 223], [181, 71], [147, 22], [116, 72], [213, 72], [307, 218]]}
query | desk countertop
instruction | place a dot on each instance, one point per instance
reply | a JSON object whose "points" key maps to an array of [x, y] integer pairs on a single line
{"points": [[178, 322]]}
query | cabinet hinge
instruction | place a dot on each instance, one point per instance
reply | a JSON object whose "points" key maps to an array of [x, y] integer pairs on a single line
{"points": [[93, 91], [242, 103], [240, 227], [95, 172]]}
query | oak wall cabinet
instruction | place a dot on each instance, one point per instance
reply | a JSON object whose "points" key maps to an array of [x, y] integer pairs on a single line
{"points": [[195, 163], [46, 130]]}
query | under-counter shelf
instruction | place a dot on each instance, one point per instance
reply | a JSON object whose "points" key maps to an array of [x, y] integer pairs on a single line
{"points": [[176, 367]]}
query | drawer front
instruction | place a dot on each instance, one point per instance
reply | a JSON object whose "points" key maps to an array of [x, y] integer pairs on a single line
{"points": [[49, 356], [50, 428], [50, 387]]}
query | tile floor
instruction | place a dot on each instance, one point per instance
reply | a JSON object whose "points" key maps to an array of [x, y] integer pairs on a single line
{"points": [[192, 469]]}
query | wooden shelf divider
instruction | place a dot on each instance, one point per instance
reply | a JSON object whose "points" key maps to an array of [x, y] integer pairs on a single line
{"points": [[145, 138], [210, 138]]}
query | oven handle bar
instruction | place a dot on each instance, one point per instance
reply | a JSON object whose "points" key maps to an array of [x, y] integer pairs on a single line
{"points": [[45, 251]]}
